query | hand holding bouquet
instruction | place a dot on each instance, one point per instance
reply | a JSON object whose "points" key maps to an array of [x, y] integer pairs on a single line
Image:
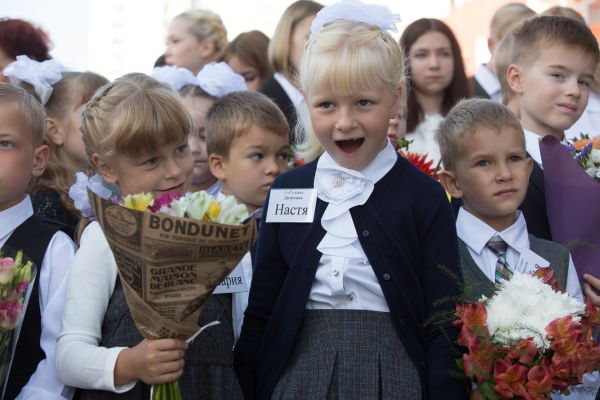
{"points": [[15, 282], [172, 252], [528, 340]]}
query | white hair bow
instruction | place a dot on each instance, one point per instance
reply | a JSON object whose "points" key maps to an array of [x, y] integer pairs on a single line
{"points": [[177, 77], [354, 10], [218, 79], [40, 75]]}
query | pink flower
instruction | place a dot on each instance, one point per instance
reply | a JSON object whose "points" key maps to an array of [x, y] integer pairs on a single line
{"points": [[8, 268], [9, 313], [165, 199]]}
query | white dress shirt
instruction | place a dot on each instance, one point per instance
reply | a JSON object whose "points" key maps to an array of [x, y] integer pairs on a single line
{"points": [[489, 82], [476, 233], [423, 138], [80, 361], [532, 146], [589, 122], [345, 278], [52, 284], [292, 92]]}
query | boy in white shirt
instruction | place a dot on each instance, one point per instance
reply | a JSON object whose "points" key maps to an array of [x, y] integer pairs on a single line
{"points": [[22, 157], [483, 152]]}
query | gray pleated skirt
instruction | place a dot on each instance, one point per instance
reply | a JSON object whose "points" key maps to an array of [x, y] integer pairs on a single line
{"points": [[348, 354]]}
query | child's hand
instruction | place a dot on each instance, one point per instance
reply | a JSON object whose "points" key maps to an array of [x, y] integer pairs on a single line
{"points": [[591, 284], [151, 361]]}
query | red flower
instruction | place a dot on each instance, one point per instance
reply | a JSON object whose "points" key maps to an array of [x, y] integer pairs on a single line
{"points": [[547, 275], [479, 362], [526, 351], [165, 199], [420, 161], [510, 379], [592, 313], [539, 383]]}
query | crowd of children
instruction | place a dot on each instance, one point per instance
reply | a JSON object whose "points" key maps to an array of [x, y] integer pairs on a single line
{"points": [[340, 306]]}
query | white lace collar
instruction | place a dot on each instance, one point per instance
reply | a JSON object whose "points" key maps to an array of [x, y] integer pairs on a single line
{"points": [[343, 189]]}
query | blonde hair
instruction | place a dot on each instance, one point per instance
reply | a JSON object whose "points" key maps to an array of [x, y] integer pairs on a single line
{"points": [[31, 110], [130, 117], [206, 25], [346, 57], [279, 50], [501, 60], [543, 32], [507, 18], [234, 115], [71, 92], [466, 118]]}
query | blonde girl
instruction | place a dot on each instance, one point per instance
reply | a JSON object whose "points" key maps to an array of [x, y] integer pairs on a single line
{"points": [[337, 307], [195, 38], [67, 152], [135, 133]]}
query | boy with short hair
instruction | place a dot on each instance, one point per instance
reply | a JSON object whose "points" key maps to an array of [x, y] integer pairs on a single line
{"points": [[248, 147], [483, 151], [552, 66], [23, 156]]}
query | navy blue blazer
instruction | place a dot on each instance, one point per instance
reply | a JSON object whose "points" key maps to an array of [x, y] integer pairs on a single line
{"points": [[407, 230], [534, 205]]}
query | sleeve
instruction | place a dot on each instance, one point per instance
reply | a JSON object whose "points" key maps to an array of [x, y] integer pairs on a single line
{"points": [[44, 382], [269, 275], [439, 252], [80, 361]]}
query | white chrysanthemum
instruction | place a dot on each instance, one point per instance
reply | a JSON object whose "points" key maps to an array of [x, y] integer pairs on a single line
{"points": [[176, 208], [595, 156], [231, 212], [524, 306], [197, 204]]}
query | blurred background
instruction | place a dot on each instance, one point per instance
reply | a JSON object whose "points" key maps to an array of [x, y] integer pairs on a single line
{"points": [[113, 37]]}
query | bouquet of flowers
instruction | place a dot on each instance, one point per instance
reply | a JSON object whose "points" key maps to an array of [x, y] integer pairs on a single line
{"points": [[586, 152], [172, 252], [294, 161], [418, 160], [528, 340], [15, 285]]}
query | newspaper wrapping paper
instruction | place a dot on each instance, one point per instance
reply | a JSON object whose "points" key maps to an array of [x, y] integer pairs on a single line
{"points": [[169, 266]]}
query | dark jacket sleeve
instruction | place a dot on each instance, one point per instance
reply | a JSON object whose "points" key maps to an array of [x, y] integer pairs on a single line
{"points": [[269, 275], [439, 253]]}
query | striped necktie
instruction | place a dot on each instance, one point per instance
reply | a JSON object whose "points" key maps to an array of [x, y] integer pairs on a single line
{"points": [[499, 246]]}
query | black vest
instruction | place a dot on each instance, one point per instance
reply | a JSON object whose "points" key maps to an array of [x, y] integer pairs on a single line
{"points": [[33, 237]]}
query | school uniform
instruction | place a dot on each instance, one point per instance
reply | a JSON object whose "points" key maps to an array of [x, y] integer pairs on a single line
{"points": [[341, 302], [97, 326], [479, 263], [486, 84], [534, 205], [287, 97], [33, 373]]}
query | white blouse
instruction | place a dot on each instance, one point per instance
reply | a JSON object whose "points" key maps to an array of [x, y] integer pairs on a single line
{"points": [[80, 360], [345, 278], [423, 138]]}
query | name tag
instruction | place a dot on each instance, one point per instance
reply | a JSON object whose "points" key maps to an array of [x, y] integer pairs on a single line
{"points": [[292, 205], [530, 261], [234, 283]]}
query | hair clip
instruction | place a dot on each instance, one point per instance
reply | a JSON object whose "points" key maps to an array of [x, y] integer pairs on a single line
{"points": [[176, 77], [218, 80], [354, 10], [40, 75]]}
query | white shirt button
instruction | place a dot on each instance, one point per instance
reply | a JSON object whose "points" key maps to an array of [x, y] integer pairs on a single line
{"points": [[336, 273], [350, 296]]}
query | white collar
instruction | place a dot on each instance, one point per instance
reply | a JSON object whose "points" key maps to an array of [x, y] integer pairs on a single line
{"points": [[289, 89], [14, 216], [476, 233], [488, 81], [593, 104], [532, 146]]}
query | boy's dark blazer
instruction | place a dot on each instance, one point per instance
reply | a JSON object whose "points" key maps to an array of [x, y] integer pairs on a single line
{"points": [[406, 230], [534, 205], [477, 89]]}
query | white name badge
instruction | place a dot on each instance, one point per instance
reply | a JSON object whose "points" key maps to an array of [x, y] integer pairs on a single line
{"points": [[292, 205], [530, 261], [234, 283]]}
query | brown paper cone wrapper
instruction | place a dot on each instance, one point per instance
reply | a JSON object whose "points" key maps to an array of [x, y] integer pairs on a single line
{"points": [[169, 266]]}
